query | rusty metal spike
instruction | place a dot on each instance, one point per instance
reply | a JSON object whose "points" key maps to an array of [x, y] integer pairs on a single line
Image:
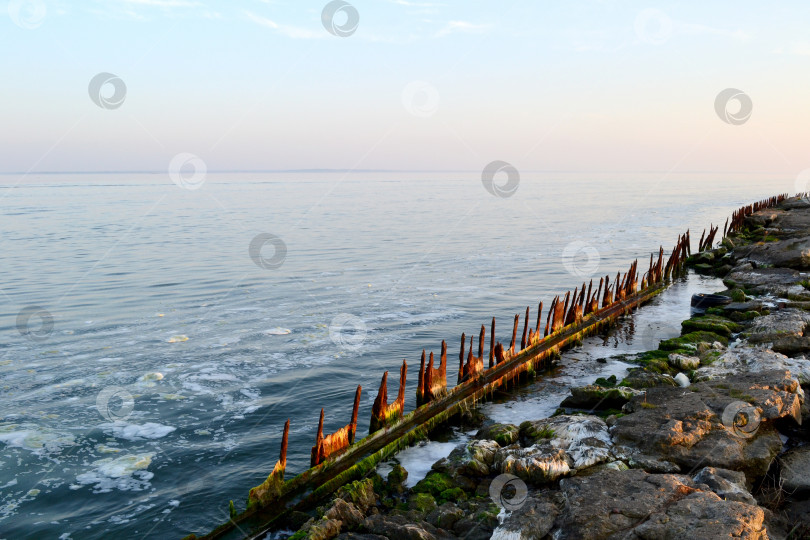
{"points": [[539, 319], [429, 379], [481, 338], [420, 385], [565, 307], [443, 365], [403, 372], [282, 457], [319, 436], [461, 357], [492, 344], [381, 401], [355, 409], [525, 329], [514, 334]]}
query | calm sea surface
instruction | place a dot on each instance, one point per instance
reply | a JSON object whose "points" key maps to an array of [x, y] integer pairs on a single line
{"points": [[113, 423]]}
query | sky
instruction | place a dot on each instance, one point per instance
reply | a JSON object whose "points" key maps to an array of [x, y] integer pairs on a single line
{"points": [[404, 85]]}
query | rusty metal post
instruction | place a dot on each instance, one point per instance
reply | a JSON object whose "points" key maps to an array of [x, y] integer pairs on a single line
{"points": [[492, 344], [461, 357], [525, 329]]}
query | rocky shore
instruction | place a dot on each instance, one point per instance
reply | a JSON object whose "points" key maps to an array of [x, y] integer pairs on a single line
{"points": [[703, 439]]}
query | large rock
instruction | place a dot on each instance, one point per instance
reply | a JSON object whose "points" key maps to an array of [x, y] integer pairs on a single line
{"points": [[684, 362], [745, 359], [635, 504], [532, 521], [793, 253], [593, 397], [794, 468], [556, 446], [470, 459], [503, 434], [360, 493], [729, 485], [778, 324], [396, 527], [322, 529], [723, 424], [775, 281], [345, 512]]}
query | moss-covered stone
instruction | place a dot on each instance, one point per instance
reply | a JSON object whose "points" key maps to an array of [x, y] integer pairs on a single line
{"points": [[422, 502], [641, 378], [530, 432], [738, 295], [743, 316], [710, 323], [359, 492], [597, 397], [396, 478], [690, 341], [434, 483], [503, 434], [452, 495], [610, 382]]}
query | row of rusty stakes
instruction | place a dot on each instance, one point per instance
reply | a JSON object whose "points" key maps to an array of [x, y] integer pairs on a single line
{"points": [[709, 240], [738, 217], [383, 414], [336, 442], [432, 382]]}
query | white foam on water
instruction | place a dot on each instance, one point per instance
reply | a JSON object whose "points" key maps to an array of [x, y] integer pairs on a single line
{"points": [[135, 432], [277, 331], [125, 473], [418, 460], [37, 439]]}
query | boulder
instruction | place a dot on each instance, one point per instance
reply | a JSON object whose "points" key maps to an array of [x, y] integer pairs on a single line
{"points": [[794, 468], [470, 459], [593, 397], [360, 493], [723, 424], [321, 529], [503, 434], [793, 253], [345, 512], [642, 378], [746, 359], [729, 485], [556, 446], [774, 281], [532, 521], [681, 361], [635, 504], [778, 324], [445, 516], [396, 527]]}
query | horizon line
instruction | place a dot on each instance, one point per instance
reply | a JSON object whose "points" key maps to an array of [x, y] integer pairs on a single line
{"points": [[348, 171]]}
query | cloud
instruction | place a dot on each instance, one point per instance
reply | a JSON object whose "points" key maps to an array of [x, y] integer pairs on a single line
{"points": [[289, 31], [461, 26]]}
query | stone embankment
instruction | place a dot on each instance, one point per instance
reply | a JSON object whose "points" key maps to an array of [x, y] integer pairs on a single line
{"points": [[703, 439]]}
